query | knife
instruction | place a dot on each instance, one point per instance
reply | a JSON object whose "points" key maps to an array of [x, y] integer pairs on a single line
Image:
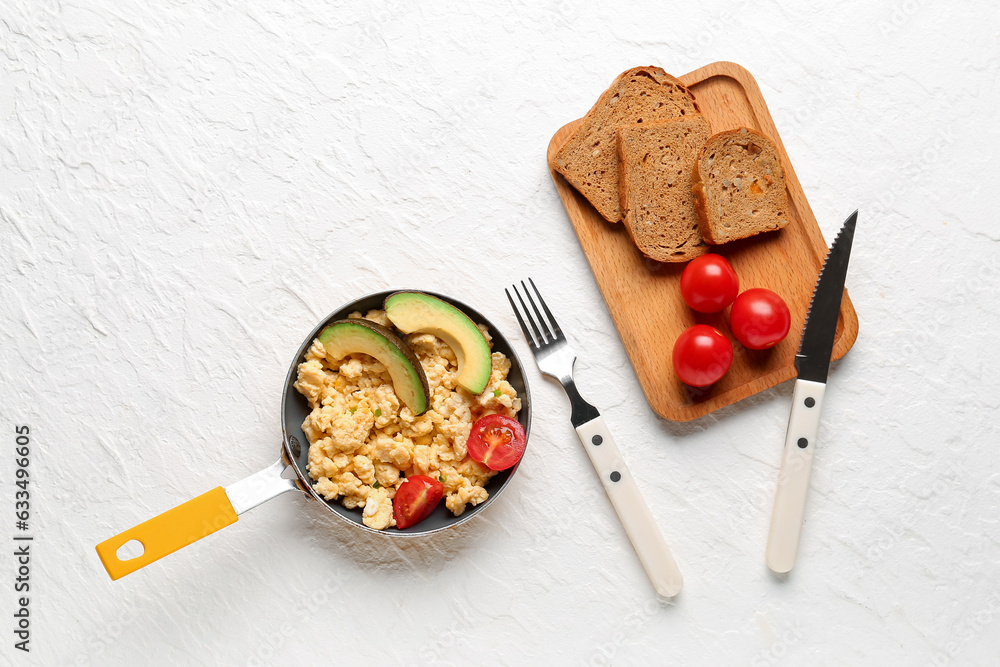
{"points": [[813, 364]]}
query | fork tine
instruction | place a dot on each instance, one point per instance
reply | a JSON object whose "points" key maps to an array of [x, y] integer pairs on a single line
{"points": [[555, 325], [524, 329], [527, 313], [541, 320]]}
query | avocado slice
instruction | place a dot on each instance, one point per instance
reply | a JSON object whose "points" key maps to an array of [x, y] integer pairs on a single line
{"points": [[345, 337], [416, 312]]}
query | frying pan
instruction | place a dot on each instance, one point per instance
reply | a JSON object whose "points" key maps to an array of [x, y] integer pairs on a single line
{"points": [[220, 507]]}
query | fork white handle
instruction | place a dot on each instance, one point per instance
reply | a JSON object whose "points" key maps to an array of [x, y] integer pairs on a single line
{"points": [[632, 510]]}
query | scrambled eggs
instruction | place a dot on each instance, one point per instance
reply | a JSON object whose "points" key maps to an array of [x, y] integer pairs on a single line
{"points": [[363, 443]]}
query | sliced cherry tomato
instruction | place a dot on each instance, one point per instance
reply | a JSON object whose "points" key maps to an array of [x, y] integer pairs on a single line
{"points": [[760, 318], [497, 441], [415, 499], [702, 355], [709, 283]]}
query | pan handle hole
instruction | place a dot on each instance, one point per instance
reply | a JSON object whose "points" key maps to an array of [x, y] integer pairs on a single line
{"points": [[129, 550]]}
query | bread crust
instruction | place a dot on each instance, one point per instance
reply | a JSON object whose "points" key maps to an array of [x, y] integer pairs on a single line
{"points": [[588, 158], [700, 205]]}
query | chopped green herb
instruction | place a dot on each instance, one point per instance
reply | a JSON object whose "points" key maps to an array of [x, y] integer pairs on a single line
{"points": [[378, 412], [497, 392], [353, 410], [376, 485], [442, 478]]}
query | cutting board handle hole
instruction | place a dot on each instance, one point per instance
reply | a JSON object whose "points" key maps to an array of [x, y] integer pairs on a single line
{"points": [[129, 550]]}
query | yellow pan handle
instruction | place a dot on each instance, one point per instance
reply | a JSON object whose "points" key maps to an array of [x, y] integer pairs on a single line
{"points": [[168, 532]]}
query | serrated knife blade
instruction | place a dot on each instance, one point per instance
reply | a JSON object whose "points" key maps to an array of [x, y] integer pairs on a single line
{"points": [[816, 348], [813, 363]]}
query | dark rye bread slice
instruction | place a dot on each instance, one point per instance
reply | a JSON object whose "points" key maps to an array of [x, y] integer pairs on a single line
{"points": [[739, 187], [655, 168], [589, 159]]}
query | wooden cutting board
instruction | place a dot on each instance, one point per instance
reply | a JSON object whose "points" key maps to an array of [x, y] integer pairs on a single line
{"points": [[644, 296]]}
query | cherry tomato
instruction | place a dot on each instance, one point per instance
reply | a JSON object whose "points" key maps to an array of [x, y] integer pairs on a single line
{"points": [[702, 355], [415, 499], [709, 283], [496, 441], [759, 318]]}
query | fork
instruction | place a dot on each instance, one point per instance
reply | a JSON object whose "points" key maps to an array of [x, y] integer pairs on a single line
{"points": [[556, 358]]}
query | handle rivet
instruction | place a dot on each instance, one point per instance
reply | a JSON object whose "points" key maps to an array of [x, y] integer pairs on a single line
{"points": [[597, 440], [810, 401], [803, 443], [615, 476]]}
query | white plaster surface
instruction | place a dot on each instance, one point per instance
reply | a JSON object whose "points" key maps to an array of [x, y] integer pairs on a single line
{"points": [[187, 187]]}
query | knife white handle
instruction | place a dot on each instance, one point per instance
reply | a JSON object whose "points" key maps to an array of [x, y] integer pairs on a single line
{"points": [[793, 481], [631, 508]]}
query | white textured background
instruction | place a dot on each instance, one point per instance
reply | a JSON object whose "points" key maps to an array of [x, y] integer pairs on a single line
{"points": [[187, 187]]}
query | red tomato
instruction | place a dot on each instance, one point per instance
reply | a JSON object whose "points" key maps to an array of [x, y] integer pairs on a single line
{"points": [[759, 318], [709, 283], [496, 441], [415, 499], [702, 355]]}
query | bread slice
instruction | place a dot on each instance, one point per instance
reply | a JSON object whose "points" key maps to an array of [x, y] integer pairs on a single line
{"points": [[589, 159], [655, 168], [739, 187]]}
